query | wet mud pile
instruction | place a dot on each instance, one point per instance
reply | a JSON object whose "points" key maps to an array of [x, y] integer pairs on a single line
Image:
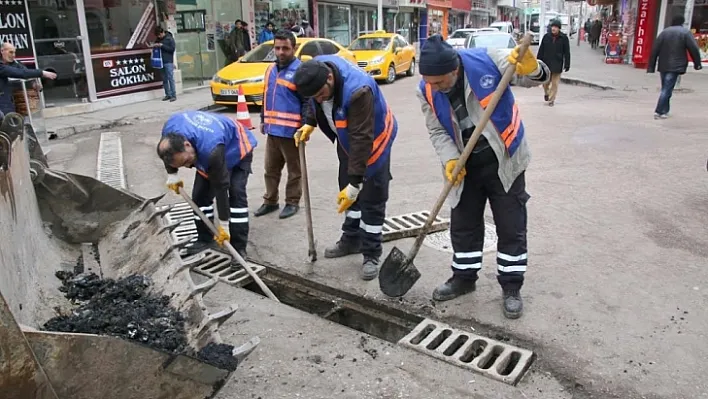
{"points": [[125, 308]]}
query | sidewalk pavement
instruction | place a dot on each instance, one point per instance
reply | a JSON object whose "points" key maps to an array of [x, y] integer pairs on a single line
{"points": [[587, 68], [128, 114]]}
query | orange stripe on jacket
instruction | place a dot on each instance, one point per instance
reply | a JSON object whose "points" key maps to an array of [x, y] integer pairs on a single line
{"points": [[384, 138], [283, 115], [287, 84], [282, 122]]}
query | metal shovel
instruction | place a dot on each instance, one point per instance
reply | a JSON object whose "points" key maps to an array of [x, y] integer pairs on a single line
{"points": [[398, 273]]}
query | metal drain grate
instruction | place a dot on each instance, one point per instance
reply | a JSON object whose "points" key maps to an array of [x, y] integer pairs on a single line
{"points": [[109, 166], [209, 263], [494, 359], [410, 225], [442, 242]]}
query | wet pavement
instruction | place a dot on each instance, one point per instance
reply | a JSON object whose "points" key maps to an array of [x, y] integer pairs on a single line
{"points": [[615, 296]]}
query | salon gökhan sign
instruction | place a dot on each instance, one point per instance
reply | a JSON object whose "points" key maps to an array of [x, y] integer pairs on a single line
{"points": [[14, 27], [125, 74]]}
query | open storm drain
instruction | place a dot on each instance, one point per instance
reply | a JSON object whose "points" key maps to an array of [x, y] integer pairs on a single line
{"points": [[441, 240], [491, 358]]}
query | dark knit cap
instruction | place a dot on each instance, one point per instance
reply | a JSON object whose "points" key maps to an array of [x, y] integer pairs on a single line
{"points": [[437, 57], [556, 22], [310, 77]]}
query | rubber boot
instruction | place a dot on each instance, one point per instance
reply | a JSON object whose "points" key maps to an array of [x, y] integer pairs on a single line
{"points": [[343, 248], [370, 269], [453, 287], [513, 305]]}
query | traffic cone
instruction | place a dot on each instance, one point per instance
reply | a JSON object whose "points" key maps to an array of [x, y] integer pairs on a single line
{"points": [[242, 115]]}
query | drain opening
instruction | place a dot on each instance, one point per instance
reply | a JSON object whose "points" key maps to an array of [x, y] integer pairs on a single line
{"points": [[338, 306], [497, 360]]}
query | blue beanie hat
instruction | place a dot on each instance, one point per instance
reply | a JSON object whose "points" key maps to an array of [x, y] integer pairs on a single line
{"points": [[437, 57]]}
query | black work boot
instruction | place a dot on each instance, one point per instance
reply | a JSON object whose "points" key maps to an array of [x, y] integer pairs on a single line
{"points": [[370, 268], [513, 305], [453, 287], [288, 210], [266, 209], [343, 247]]}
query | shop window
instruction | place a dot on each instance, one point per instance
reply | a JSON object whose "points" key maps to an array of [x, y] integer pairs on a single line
{"points": [[334, 20]]}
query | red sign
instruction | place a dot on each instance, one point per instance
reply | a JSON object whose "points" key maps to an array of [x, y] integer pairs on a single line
{"points": [[464, 5], [644, 32]]}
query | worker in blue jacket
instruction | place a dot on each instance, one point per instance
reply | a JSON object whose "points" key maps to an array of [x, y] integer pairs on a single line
{"points": [[221, 149], [350, 108]]}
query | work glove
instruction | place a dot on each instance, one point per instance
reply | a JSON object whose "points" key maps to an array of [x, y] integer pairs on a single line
{"points": [[303, 134], [524, 66], [347, 197], [174, 182], [223, 232], [449, 167]]}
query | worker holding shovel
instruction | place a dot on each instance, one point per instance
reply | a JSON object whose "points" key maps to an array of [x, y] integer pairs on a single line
{"points": [[221, 150], [455, 90], [350, 108]]}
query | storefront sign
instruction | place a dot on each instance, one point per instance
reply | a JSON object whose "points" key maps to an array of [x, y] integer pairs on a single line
{"points": [[440, 3], [124, 72], [14, 28], [644, 32], [145, 28]]}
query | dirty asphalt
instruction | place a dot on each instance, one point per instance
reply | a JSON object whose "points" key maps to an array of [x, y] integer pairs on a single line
{"points": [[615, 293]]}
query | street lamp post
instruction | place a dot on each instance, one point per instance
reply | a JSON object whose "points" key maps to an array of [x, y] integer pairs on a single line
{"points": [[379, 16]]}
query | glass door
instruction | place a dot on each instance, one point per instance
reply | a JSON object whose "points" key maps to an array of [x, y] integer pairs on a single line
{"points": [[58, 48]]}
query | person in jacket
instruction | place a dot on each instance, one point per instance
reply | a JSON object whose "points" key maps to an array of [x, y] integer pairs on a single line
{"points": [[587, 27], [554, 51], [283, 112], [166, 43], [239, 41], [456, 87], [350, 108], [309, 32], [596, 32], [10, 68], [267, 33], [670, 48], [221, 150]]}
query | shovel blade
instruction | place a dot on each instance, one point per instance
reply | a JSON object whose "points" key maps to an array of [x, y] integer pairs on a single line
{"points": [[398, 274]]}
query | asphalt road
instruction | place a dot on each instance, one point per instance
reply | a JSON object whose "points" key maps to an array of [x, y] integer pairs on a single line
{"points": [[616, 294]]}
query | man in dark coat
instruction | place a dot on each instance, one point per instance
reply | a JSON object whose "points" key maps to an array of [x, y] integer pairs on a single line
{"points": [[10, 68], [554, 51], [596, 32], [671, 48]]}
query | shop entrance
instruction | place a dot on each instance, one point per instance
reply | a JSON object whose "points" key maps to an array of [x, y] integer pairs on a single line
{"points": [[366, 22], [58, 48]]}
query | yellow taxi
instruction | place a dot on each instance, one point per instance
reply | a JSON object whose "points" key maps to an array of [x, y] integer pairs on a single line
{"points": [[384, 55], [249, 71]]}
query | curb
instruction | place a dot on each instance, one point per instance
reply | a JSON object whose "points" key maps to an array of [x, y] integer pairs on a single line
{"points": [[83, 128], [585, 83]]}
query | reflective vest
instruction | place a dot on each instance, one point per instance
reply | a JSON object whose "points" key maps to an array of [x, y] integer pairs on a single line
{"points": [[206, 130], [483, 76], [281, 105], [385, 124]]}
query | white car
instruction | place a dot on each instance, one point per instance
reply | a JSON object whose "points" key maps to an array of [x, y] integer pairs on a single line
{"points": [[459, 37]]}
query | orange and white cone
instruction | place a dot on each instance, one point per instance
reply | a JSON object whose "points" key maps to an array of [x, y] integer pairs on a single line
{"points": [[242, 115]]}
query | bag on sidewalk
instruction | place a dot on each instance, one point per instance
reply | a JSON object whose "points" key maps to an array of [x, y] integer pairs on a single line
{"points": [[156, 58]]}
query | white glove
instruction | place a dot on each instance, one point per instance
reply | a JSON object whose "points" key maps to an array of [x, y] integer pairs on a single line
{"points": [[224, 224], [174, 182]]}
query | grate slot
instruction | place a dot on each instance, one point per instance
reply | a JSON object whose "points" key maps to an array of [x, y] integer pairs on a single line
{"points": [[109, 163], [497, 360]]}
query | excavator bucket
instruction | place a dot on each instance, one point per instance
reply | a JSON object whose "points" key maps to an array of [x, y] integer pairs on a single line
{"points": [[52, 221]]}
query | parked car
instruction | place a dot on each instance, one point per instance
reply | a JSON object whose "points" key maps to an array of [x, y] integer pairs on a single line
{"points": [[459, 37], [384, 55], [503, 26], [491, 40], [249, 71]]}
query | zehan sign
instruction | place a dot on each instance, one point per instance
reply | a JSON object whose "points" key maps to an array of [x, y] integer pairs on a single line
{"points": [[644, 32], [124, 72], [15, 27]]}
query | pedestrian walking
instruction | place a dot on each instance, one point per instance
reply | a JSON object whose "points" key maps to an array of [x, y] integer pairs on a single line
{"points": [[283, 112], [596, 31], [309, 32], [455, 89], [239, 41], [587, 27], [554, 51], [166, 42], [350, 108], [221, 149], [670, 48]]}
